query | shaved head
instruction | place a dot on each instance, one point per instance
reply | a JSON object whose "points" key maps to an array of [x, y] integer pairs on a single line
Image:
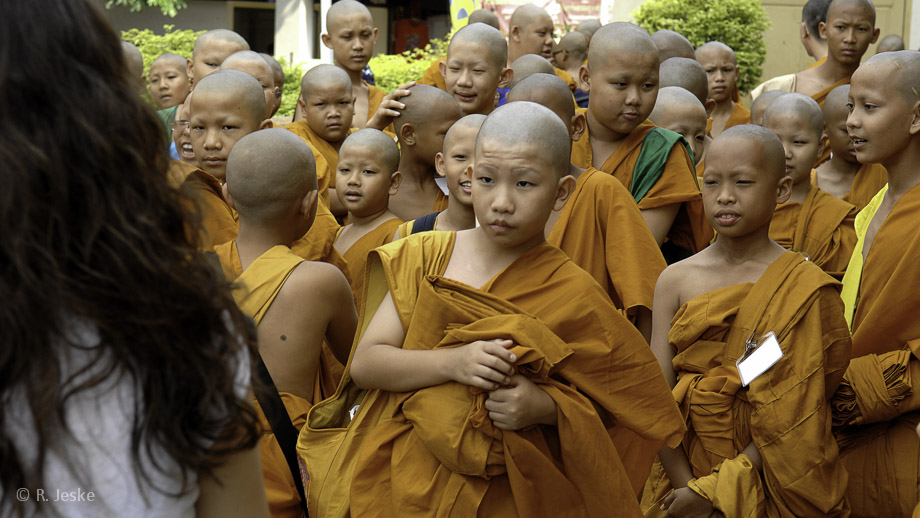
{"points": [[589, 27], [528, 65], [527, 14], [798, 105], [490, 38], [172, 59], [547, 90], [685, 73], [529, 124], [835, 104], [760, 105], [345, 8], [135, 62], [672, 45], [772, 156], [890, 43], [219, 35], [382, 145], [484, 16], [472, 121], [901, 70], [670, 100], [866, 5], [716, 47], [321, 76], [268, 174], [424, 101], [241, 86], [244, 59], [576, 44], [277, 70], [619, 37]]}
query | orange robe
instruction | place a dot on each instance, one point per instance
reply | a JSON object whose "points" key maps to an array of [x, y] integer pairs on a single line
{"points": [[440, 202], [821, 228], [257, 288], [567, 77], [740, 115], [784, 412], [678, 184], [434, 452], [218, 222], [878, 405], [868, 182], [374, 98], [326, 155], [601, 230], [821, 97], [356, 255], [178, 171], [432, 75]]}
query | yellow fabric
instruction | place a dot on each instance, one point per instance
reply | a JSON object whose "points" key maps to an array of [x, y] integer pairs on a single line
{"points": [[677, 184], [432, 75], [784, 412], [326, 155], [178, 171], [601, 230], [868, 182], [733, 487], [821, 228], [356, 255], [433, 452], [567, 77], [740, 115], [853, 275], [818, 63], [219, 223]]}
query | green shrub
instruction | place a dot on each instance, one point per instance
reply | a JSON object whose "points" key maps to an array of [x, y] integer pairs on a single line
{"points": [[392, 70], [169, 7], [152, 45], [291, 91], [740, 24]]}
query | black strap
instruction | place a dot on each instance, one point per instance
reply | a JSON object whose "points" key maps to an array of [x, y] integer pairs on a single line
{"points": [[425, 223], [273, 408]]}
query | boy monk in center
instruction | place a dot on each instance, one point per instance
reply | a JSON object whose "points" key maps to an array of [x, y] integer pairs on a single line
{"points": [[476, 67], [765, 450], [530, 31], [499, 357], [622, 79], [272, 184]]}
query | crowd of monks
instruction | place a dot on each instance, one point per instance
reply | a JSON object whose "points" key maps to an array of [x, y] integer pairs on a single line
{"points": [[573, 278]]}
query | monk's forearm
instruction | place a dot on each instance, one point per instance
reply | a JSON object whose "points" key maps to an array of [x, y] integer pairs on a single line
{"points": [[385, 367], [676, 466]]}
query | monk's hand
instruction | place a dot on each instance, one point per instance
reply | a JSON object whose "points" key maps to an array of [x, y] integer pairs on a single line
{"points": [[686, 503], [485, 364], [390, 107], [519, 404]]}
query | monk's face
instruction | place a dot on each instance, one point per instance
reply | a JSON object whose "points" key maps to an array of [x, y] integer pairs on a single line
{"points": [[362, 181], [849, 30], [841, 145], [329, 109], [514, 190], [455, 161], [182, 135], [880, 117], [801, 143], [721, 72], [738, 196], [211, 53], [169, 83], [431, 132], [352, 38], [218, 121], [471, 77], [623, 87], [278, 77], [263, 74], [536, 37], [690, 121]]}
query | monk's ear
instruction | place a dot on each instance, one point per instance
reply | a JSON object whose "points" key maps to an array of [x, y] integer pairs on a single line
{"points": [[267, 123], [442, 67], [308, 205], [395, 180], [229, 199], [407, 134], [584, 79], [784, 190], [564, 188], [709, 106], [579, 125], [505, 77], [915, 118], [189, 71], [376, 34], [515, 33], [823, 142], [822, 30], [875, 35], [301, 108], [439, 164], [327, 41], [803, 32]]}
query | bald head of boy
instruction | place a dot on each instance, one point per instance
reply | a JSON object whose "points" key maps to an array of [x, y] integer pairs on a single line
{"points": [[761, 103], [589, 27], [278, 75], [256, 66], [327, 101], [135, 62], [890, 43], [770, 157], [210, 50], [680, 111], [169, 83], [528, 125], [672, 44], [798, 105], [476, 66], [383, 146], [484, 16], [528, 65], [530, 31], [423, 123], [688, 74], [271, 179], [835, 119], [552, 92], [571, 51], [849, 30]]}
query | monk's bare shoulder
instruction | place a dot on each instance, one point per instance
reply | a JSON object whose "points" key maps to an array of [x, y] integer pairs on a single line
{"points": [[686, 279], [317, 281]]}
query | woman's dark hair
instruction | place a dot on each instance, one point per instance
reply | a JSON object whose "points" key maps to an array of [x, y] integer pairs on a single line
{"points": [[91, 230]]}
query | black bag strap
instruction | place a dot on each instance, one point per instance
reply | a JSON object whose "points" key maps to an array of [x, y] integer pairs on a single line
{"points": [[425, 223], [273, 408]]}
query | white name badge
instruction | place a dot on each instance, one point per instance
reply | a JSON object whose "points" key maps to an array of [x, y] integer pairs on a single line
{"points": [[759, 357]]}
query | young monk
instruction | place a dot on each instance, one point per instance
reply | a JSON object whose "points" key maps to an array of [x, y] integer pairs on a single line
{"points": [[272, 183], [689, 75], [432, 75], [366, 178], [721, 67], [476, 67], [210, 50], [876, 406], [678, 110], [278, 76], [530, 31], [453, 164], [760, 105], [843, 176], [571, 52], [849, 30], [488, 419], [182, 139], [351, 35], [672, 44], [890, 43], [527, 65], [811, 221], [256, 66], [421, 126], [767, 449], [622, 70], [169, 84], [135, 65], [814, 12], [224, 109], [588, 28]]}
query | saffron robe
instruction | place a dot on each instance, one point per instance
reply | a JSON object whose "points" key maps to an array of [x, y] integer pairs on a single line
{"points": [[436, 453], [567, 77], [868, 182], [327, 157], [785, 411], [219, 223], [821, 228], [678, 184], [256, 289], [740, 115], [876, 407], [178, 171], [432, 75], [601, 230], [356, 255]]}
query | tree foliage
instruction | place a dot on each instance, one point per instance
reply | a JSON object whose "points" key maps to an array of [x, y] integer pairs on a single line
{"points": [[152, 45], [169, 7], [740, 24]]}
